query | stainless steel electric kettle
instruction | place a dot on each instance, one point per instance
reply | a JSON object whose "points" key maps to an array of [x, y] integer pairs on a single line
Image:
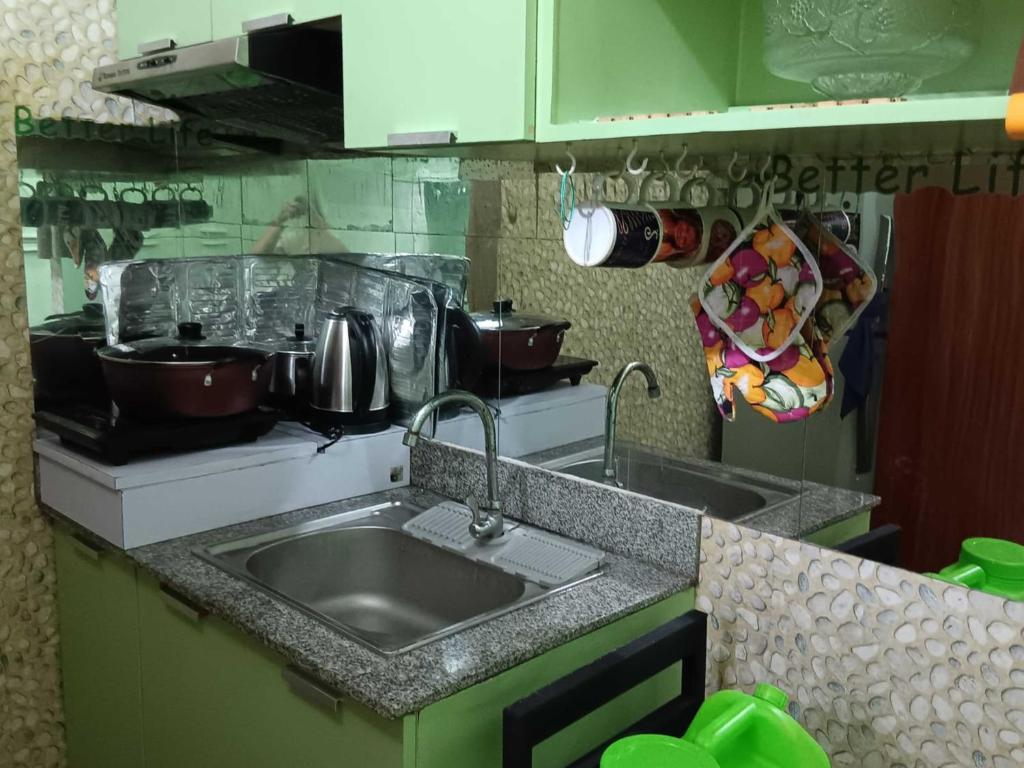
{"points": [[350, 387]]}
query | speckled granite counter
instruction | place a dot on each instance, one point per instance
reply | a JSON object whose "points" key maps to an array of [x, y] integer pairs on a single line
{"points": [[397, 685], [813, 507]]}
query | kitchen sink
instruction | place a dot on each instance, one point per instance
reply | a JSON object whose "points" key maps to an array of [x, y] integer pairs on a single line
{"points": [[717, 491], [362, 574]]}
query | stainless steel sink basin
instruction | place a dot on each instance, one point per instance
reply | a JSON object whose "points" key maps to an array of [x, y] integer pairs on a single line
{"points": [[361, 574], [717, 491]]}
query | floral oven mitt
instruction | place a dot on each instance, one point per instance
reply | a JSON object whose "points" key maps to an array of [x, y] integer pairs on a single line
{"points": [[791, 387], [762, 290], [849, 286]]}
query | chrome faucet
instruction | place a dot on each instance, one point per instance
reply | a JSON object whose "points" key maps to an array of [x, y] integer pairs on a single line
{"points": [[612, 412], [487, 521]]}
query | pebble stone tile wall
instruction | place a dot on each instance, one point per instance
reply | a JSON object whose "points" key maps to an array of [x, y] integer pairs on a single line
{"points": [[617, 315], [48, 49], [885, 668]]}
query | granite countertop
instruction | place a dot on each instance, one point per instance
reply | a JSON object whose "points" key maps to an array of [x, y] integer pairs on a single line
{"points": [[397, 685], [813, 507]]}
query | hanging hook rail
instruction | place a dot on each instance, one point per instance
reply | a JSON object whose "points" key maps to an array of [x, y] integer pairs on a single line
{"points": [[730, 171], [635, 170], [678, 167], [572, 168]]}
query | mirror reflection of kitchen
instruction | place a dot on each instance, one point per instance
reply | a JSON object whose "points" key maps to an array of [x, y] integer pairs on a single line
{"points": [[127, 242], [644, 417], [909, 461], [925, 416]]}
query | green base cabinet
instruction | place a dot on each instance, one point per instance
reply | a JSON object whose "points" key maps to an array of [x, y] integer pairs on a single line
{"points": [[99, 653], [464, 730], [213, 698], [841, 532], [151, 681]]}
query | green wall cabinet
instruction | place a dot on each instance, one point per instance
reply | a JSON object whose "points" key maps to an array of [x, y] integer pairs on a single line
{"points": [[142, 21], [99, 653], [228, 15], [608, 69], [151, 681], [415, 66]]}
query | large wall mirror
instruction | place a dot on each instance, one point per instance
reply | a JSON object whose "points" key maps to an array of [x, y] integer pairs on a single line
{"points": [[127, 238], [905, 419]]}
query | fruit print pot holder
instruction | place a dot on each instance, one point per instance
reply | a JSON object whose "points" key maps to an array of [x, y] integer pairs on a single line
{"points": [[762, 290], [849, 286], [796, 384]]}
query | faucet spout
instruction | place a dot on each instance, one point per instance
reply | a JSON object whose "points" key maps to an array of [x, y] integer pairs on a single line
{"points": [[612, 411], [487, 520]]}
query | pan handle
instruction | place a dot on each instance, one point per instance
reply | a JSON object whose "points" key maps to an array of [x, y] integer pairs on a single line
{"points": [[364, 361], [465, 349]]}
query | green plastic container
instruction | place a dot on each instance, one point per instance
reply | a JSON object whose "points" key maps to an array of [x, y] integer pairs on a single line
{"points": [[731, 730], [743, 731], [995, 566], [656, 752]]}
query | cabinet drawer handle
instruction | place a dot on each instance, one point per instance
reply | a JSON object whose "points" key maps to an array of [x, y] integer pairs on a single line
{"points": [[163, 44], [421, 138], [181, 604], [267, 22], [311, 691], [85, 547]]}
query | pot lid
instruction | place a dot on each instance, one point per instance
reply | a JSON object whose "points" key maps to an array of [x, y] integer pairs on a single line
{"points": [[297, 343], [86, 322], [189, 347], [171, 352], [504, 318]]}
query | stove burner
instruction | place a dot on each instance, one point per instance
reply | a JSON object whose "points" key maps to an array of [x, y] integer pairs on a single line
{"points": [[505, 383], [118, 440]]}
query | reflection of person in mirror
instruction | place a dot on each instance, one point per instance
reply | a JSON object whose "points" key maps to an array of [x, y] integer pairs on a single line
{"points": [[279, 239]]}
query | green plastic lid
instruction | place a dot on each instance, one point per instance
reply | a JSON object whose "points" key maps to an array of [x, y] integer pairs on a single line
{"points": [[771, 694], [999, 558], [652, 751]]}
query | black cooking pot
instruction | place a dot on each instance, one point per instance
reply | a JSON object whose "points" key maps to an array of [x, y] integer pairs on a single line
{"points": [[64, 363], [185, 377], [519, 342]]}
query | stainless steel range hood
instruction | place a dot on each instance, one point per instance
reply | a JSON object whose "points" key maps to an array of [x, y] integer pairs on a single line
{"points": [[282, 83]]}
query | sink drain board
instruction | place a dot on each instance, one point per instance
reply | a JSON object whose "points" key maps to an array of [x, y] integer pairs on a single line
{"points": [[446, 525], [538, 556]]}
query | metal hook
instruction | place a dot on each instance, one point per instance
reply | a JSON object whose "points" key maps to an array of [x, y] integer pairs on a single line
{"points": [[732, 166], [678, 167], [762, 174], [572, 168], [635, 171]]}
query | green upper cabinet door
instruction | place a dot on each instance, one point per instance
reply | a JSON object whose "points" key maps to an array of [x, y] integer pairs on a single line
{"points": [[416, 67], [139, 22], [229, 15]]}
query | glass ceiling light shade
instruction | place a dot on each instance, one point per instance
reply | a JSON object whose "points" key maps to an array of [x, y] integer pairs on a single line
{"points": [[852, 49]]}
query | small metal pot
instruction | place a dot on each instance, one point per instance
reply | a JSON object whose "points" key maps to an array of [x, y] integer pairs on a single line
{"points": [[292, 366], [184, 378], [519, 342]]}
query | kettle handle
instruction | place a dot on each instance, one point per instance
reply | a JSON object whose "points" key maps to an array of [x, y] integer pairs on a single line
{"points": [[465, 349], [364, 360]]}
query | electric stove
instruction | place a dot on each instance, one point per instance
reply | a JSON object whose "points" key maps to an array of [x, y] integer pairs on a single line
{"points": [[117, 440]]}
